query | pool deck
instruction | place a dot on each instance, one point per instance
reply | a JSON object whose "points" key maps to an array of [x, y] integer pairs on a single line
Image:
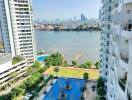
{"points": [[88, 94], [48, 87]]}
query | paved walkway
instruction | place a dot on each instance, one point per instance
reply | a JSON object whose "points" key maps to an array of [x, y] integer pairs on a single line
{"points": [[47, 88], [89, 94]]}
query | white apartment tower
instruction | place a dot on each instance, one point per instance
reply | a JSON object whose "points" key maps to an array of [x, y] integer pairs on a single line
{"points": [[116, 52], [17, 29]]}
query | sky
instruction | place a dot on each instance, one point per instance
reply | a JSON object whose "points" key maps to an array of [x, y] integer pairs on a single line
{"points": [[65, 9]]}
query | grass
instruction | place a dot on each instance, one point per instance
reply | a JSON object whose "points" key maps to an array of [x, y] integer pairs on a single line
{"points": [[17, 59], [73, 72], [1, 45]]}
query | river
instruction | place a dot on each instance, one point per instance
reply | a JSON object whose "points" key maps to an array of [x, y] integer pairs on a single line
{"points": [[84, 44]]}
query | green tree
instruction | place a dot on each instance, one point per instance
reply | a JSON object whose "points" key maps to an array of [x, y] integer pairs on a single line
{"points": [[29, 71], [36, 65], [101, 91], [100, 82], [16, 92], [86, 76], [101, 87], [56, 69], [100, 98], [55, 59], [32, 81], [97, 64], [88, 64], [84, 66], [65, 64], [74, 63]]}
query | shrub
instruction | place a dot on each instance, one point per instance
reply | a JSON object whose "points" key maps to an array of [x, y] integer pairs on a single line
{"points": [[65, 64], [36, 65], [101, 91], [100, 82], [101, 87], [31, 82], [16, 92], [86, 76], [74, 63], [17, 59], [86, 65], [56, 69]]}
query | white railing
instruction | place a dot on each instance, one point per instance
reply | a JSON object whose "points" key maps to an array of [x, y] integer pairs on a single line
{"points": [[127, 27]]}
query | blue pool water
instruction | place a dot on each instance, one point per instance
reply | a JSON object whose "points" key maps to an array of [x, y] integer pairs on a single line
{"points": [[41, 58], [73, 94]]}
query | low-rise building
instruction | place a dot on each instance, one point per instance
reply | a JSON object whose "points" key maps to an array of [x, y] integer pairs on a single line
{"points": [[11, 69]]}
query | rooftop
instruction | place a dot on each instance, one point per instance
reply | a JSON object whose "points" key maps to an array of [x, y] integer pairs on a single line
{"points": [[5, 57], [17, 59]]}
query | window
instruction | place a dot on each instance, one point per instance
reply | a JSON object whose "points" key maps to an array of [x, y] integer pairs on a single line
{"points": [[128, 11]]}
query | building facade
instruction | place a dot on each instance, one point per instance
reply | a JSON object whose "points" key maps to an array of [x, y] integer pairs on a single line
{"points": [[116, 51], [11, 72], [17, 28]]}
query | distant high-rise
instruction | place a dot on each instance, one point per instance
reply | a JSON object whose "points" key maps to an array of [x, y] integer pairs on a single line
{"points": [[17, 29], [75, 18], [83, 18]]}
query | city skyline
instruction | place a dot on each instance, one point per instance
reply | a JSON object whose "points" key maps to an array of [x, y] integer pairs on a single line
{"points": [[61, 9]]}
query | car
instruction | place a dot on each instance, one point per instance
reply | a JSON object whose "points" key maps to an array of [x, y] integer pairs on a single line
{"points": [[28, 94]]}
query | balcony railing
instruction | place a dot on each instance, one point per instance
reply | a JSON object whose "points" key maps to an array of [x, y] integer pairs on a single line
{"points": [[127, 27], [122, 83], [129, 96], [124, 59]]}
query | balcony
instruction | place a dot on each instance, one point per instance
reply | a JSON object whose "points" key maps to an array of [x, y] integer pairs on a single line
{"points": [[125, 59], [123, 64], [129, 96], [122, 83], [127, 31], [127, 1]]}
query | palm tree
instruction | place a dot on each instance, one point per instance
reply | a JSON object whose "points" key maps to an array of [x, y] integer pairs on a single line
{"points": [[56, 69]]}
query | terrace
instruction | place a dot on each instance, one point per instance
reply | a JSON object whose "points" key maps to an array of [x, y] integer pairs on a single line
{"points": [[17, 59]]}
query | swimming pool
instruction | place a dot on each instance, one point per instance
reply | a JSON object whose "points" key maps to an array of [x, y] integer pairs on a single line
{"points": [[73, 94], [41, 58]]}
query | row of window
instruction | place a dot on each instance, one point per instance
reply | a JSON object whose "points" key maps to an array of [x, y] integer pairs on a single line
{"points": [[11, 69]]}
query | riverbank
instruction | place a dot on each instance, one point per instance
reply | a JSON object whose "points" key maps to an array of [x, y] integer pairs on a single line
{"points": [[67, 30]]}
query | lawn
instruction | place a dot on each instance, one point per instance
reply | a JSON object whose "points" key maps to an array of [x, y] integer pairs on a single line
{"points": [[73, 72]]}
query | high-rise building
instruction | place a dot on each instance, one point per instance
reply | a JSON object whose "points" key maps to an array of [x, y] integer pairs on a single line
{"points": [[83, 18], [17, 29], [116, 51]]}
